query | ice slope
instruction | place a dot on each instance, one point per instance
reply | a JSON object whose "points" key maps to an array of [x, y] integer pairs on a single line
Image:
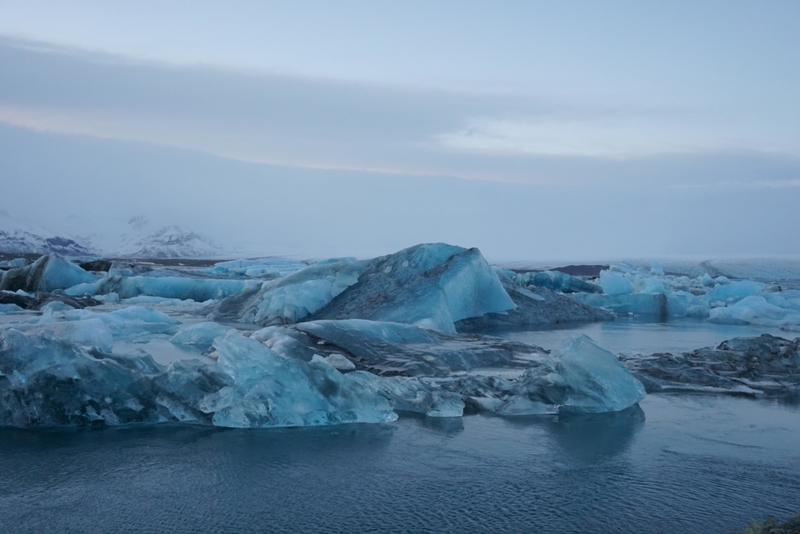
{"points": [[296, 296], [49, 381], [438, 374], [430, 285]]}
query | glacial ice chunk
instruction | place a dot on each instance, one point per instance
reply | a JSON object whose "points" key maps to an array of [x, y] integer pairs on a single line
{"points": [[269, 267], [411, 394], [755, 310], [596, 381], [294, 297], [199, 336], [430, 285], [615, 283], [48, 273], [734, 291], [170, 287], [272, 391]]}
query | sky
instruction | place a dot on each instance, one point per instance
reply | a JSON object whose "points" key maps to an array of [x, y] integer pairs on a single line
{"points": [[532, 130]]}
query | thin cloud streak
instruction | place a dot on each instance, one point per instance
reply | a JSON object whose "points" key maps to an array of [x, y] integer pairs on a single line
{"points": [[317, 123]]}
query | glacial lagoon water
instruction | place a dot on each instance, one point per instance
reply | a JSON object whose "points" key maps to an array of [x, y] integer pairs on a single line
{"points": [[675, 464]]}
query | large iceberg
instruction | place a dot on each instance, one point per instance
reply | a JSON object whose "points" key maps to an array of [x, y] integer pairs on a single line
{"points": [[49, 381], [48, 273], [432, 285]]}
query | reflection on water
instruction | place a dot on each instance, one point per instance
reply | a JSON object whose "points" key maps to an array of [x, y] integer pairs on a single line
{"points": [[641, 335]]}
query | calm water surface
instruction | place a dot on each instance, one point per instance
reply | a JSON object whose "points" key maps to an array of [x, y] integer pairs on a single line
{"points": [[678, 464]]}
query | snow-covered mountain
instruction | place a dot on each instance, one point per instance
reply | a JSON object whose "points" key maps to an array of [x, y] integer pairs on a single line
{"points": [[18, 237], [139, 238], [169, 242]]}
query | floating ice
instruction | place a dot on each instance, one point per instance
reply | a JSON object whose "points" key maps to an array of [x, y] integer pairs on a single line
{"points": [[734, 291], [615, 283], [757, 310], [271, 391], [9, 308], [46, 381], [740, 366], [431, 285], [170, 287], [48, 273], [595, 380], [409, 394], [557, 281], [294, 297], [263, 267]]}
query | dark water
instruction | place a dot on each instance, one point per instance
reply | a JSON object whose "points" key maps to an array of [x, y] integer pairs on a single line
{"points": [[641, 335], [681, 464]]}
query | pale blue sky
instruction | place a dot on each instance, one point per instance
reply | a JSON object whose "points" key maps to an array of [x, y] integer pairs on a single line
{"points": [[628, 100]]}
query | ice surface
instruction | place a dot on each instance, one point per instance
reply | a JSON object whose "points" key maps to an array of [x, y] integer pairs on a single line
{"points": [[615, 283], [45, 381], [9, 308], [409, 394], [298, 295], [431, 285], [734, 291], [757, 310], [48, 273], [199, 336], [740, 366], [170, 287], [557, 281], [272, 391], [263, 267], [595, 381], [398, 349]]}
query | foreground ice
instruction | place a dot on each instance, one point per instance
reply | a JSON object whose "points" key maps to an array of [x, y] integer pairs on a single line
{"points": [[48, 381], [438, 374]]}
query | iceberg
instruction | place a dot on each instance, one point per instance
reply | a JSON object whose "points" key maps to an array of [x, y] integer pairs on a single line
{"points": [[168, 287], [763, 365], [269, 390], [48, 273], [557, 281], [48, 381], [615, 283], [258, 268], [296, 296], [757, 310], [735, 291], [431, 285]]}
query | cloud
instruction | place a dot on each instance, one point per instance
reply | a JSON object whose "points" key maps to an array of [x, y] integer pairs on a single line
{"points": [[328, 124]]}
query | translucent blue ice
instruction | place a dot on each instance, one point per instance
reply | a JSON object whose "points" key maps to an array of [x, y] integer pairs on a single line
{"points": [[170, 287], [273, 267], [272, 391], [199, 336], [596, 381], [48, 273], [757, 310], [734, 291], [615, 283], [430, 285], [298, 295]]}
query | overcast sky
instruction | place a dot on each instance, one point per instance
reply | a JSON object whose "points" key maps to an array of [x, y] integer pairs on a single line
{"points": [[533, 130]]}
